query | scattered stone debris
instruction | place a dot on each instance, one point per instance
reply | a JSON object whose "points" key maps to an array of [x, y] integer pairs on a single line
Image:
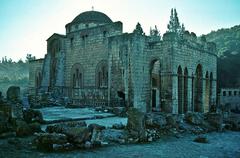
{"points": [[141, 127], [13, 94], [215, 120], [14, 141], [201, 139], [22, 128], [46, 141], [62, 127], [156, 120], [118, 126], [31, 115], [194, 118], [114, 136]]}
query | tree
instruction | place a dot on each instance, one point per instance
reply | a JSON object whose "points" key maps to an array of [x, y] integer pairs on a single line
{"points": [[174, 24], [138, 29], [29, 57], [155, 32], [20, 61]]}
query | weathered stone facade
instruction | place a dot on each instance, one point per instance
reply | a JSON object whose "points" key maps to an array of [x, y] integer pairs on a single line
{"points": [[230, 97], [95, 63], [35, 75]]}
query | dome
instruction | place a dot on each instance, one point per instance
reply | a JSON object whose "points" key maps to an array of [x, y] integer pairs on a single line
{"points": [[92, 17]]}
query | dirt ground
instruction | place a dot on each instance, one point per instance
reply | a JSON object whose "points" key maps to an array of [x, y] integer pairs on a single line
{"points": [[221, 145]]}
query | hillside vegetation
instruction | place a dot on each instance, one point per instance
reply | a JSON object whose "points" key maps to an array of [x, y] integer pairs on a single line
{"points": [[13, 74], [228, 46]]}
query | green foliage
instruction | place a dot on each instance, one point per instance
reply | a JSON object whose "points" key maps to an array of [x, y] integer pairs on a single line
{"points": [[226, 39], [12, 73], [138, 29], [29, 57], [228, 47], [6, 60], [174, 24]]}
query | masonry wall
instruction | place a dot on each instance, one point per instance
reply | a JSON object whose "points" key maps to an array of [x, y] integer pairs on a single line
{"points": [[230, 97], [188, 55], [88, 52], [35, 67]]}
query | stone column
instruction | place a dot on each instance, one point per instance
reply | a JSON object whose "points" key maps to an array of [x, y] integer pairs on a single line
{"points": [[189, 93], [174, 94], [109, 77], [214, 93], [193, 93], [157, 100], [203, 96]]}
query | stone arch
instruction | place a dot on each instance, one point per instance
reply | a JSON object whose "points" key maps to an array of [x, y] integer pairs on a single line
{"points": [[180, 89], [102, 74], [198, 90], [38, 78], [155, 84], [77, 76], [185, 91]]}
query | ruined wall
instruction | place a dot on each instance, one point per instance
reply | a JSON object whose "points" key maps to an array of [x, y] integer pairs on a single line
{"points": [[35, 67], [46, 73], [132, 58], [119, 49], [230, 98], [188, 53]]}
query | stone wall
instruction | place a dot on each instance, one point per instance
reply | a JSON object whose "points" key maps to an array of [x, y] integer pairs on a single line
{"points": [[35, 67], [230, 97]]}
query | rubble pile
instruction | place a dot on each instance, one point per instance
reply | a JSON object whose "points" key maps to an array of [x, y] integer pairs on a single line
{"points": [[71, 135], [17, 121]]}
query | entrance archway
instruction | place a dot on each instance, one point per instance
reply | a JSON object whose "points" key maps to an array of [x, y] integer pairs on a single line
{"points": [[155, 82]]}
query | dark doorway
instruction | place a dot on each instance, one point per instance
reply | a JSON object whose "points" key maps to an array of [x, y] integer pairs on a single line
{"points": [[153, 99]]}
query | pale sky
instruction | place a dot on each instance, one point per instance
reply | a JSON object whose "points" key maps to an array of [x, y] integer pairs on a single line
{"points": [[26, 24]]}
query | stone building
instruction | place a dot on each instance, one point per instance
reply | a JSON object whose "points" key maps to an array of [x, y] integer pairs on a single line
{"points": [[95, 63], [230, 97]]}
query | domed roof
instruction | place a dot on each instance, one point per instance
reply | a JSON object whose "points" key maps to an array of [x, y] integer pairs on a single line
{"points": [[92, 17]]}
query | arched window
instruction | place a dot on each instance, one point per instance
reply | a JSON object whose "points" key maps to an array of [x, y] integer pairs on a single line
{"points": [[77, 76], [102, 75]]}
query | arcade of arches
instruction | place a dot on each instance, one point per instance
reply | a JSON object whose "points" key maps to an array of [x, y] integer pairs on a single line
{"points": [[190, 96]]}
